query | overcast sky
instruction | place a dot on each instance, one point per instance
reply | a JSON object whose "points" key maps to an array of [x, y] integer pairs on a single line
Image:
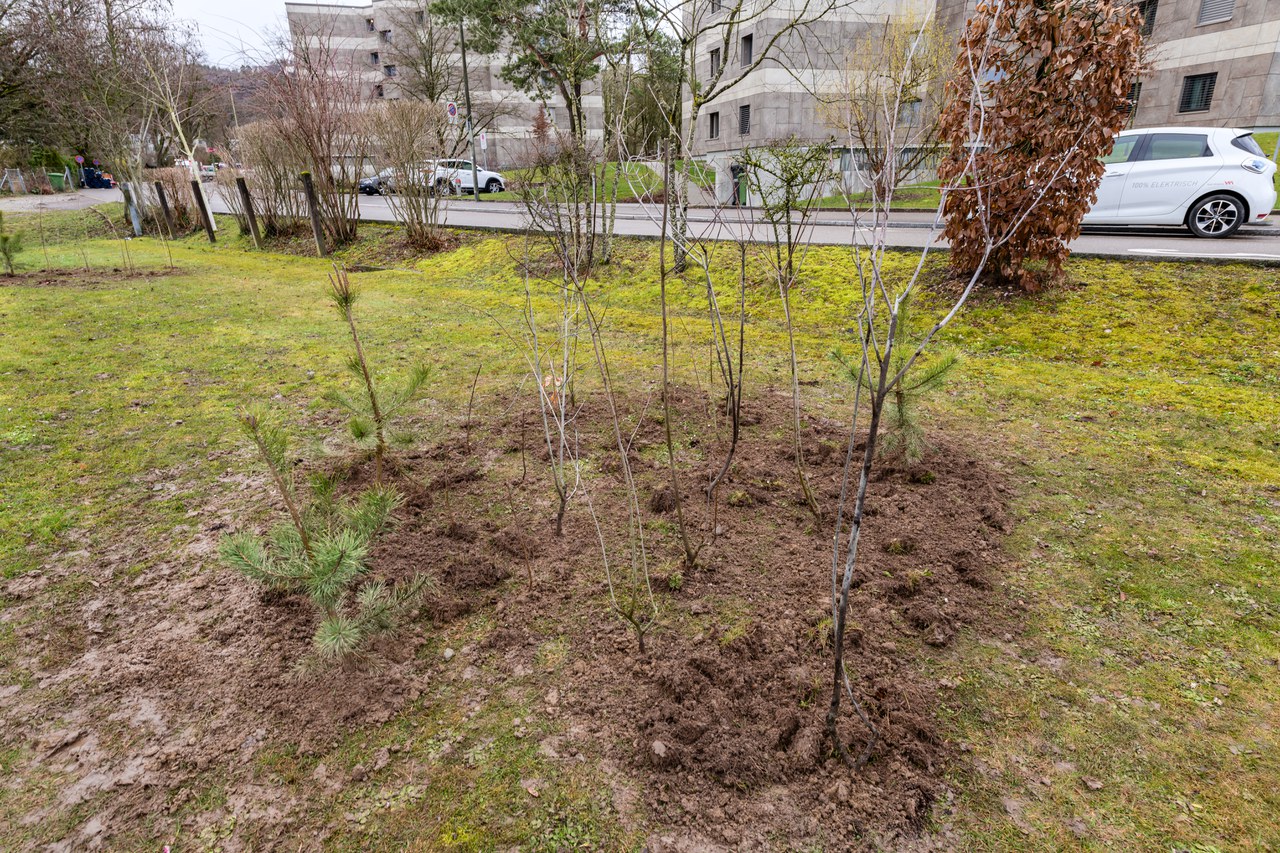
{"points": [[236, 31]]}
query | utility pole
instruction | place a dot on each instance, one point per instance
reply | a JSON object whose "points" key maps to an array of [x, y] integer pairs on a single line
{"points": [[466, 95]]}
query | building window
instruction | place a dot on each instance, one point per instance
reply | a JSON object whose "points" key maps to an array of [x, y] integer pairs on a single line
{"points": [[715, 62], [390, 70], [713, 125], [420, 16], [1215, 11], [377, 91], [746, 50], [1147, 9], [368, 22], [716, 6], [1135, 92], [744, 120], [373, 57], [1197, 92], [909, 112], [385, 36]]}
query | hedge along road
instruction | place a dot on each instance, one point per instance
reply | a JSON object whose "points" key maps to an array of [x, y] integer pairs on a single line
{"points": [[831, 227]]}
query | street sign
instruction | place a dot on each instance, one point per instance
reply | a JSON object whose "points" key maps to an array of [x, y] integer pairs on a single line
{"points": [[452, 109], [484, 141], [79, 159]]}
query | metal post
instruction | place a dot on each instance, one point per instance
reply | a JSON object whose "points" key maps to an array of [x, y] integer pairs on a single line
{"points": [[205, 218], [164, 209], [466, 93], [317, 229], [247, 201]]}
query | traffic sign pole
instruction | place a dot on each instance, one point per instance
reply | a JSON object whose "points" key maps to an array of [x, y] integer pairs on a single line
{"points": [[466, 92]]}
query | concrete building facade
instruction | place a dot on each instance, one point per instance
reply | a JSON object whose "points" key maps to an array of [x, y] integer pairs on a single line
{"points": [[1215, 62], [373, 39]]}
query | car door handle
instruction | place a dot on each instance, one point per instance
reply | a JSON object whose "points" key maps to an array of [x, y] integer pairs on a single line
{"points": [[1113, 174]]}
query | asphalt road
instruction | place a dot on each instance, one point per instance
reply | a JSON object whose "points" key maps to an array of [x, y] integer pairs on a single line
{"points": [[834, 227]]}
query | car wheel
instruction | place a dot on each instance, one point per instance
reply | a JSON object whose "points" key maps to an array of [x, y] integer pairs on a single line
{"points": [[494, 186], [1216, 216]]}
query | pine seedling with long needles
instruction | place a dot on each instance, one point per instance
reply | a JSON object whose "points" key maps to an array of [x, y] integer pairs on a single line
{"points": [[369, 413], [322, 551], [901, 435]]}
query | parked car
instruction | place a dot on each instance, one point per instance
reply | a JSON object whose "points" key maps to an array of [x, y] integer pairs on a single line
{"points": [[460, 170], [208, 173], [1210, 180], [377, 184]]}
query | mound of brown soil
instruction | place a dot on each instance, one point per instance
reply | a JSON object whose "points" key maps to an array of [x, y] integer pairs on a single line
{"points": [[718, 725]]}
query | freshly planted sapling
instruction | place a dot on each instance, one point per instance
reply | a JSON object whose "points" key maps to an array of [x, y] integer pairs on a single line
{"points": [[322, 551], [370, 413], [901, 435]]}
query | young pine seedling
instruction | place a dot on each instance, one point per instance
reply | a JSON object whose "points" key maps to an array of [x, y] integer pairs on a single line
{"points": [[901, 434], [370, 413], [322, 551]]}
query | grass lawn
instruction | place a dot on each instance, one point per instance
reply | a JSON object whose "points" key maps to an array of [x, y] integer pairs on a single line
{"points": [[1134, 414], [632, 181], [922, 197]]}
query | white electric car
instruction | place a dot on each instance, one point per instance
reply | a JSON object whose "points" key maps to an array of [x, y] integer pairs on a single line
{"points": [[1212, 180]]}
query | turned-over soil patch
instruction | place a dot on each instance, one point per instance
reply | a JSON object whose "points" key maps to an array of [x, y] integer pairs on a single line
{"points": [[718, 725], [139, 686]]}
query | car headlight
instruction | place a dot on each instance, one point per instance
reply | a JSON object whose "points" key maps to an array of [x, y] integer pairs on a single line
{"points": [[1258, 167]]}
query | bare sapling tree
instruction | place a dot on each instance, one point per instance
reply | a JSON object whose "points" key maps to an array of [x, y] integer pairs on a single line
{"points": [[686, 544], [885, 292], [315, 104], [790, 178], [570, 238], [703, 29], [558, 194], [178, 94], [551, 356], [409, 135], [727, 332], [371, 412], [1040, 58], [904, 59], [322, 551]]}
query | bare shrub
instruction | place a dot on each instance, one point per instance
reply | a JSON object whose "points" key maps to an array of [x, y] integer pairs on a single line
{"points": [[177, 194], [316, 108], [409, 137], [271, 172]]}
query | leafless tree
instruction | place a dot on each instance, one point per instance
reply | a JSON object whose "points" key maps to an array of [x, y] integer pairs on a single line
{"points": [[316, 107], [885, 291], [697, 27], [891, 77]]}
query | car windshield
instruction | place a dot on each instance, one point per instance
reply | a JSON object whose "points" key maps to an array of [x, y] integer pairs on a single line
{"points": [[1246, 142]]}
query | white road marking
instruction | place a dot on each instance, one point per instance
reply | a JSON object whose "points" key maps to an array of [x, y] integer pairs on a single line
{"points": [[1253, 256]]}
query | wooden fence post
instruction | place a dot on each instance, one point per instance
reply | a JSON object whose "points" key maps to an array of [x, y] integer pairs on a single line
{"points": [[317, 228], [205, 218], [247, 201], [164, 208]]}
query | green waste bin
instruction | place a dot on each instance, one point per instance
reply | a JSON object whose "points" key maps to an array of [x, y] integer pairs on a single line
{"points": [[58, 180]]}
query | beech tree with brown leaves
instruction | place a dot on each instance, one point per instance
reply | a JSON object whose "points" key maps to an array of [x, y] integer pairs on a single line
{"points": [[1054, 92]]}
